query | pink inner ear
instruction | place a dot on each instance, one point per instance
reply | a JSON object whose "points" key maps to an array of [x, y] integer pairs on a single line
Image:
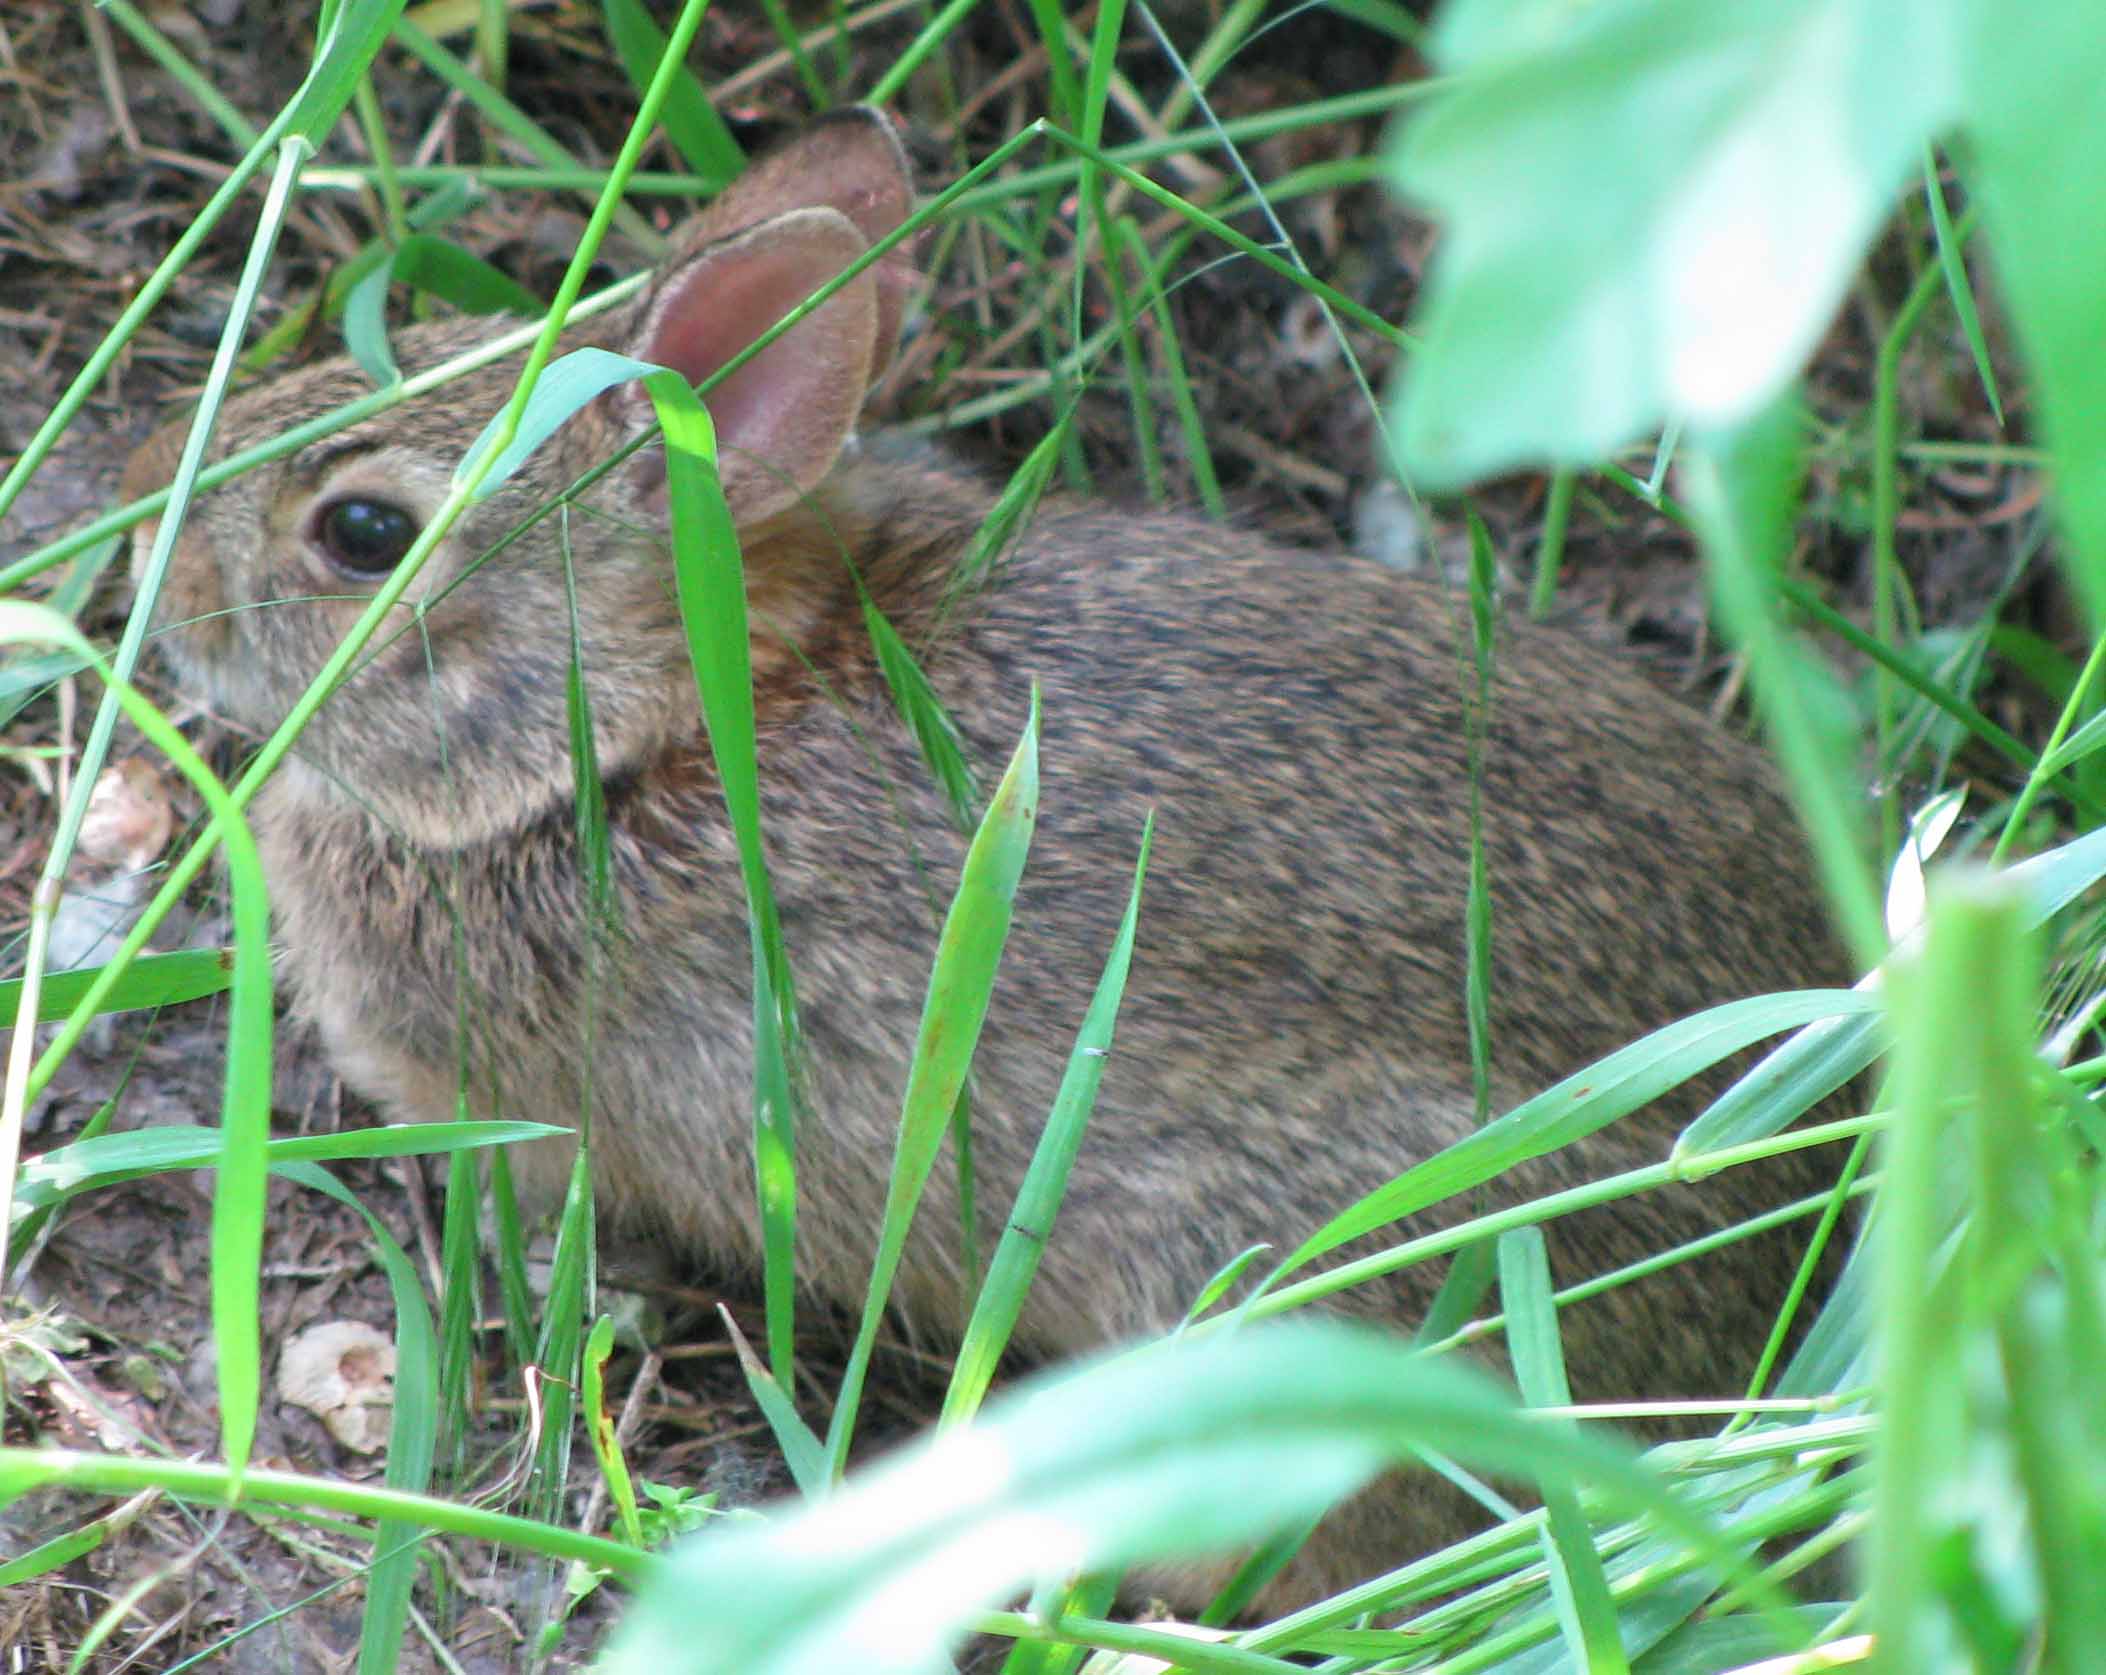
{"points": [[850, 162], [783, 417], [709, 319]]}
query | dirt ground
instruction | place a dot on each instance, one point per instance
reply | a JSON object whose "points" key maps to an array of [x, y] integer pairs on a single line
{"points": [[109, 161]]}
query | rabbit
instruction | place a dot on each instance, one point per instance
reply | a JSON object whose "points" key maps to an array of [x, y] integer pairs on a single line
{"points": [[1293, 1031]]}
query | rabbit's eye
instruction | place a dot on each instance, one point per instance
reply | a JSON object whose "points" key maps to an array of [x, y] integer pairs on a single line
{"points": [[364, 538]]}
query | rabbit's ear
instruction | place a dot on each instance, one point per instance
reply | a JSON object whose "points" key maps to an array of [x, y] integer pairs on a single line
{"points": [[850, 161], [782, 418]]}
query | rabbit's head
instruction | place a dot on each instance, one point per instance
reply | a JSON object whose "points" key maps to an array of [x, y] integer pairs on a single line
{"points": [[453, 727]]}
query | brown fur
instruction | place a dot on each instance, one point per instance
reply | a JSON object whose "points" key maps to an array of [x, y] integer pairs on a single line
{"points": [[1293, 1032]]}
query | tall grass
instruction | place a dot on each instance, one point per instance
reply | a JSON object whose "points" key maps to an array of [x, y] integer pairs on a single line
{"points": [[1947, 1398]]}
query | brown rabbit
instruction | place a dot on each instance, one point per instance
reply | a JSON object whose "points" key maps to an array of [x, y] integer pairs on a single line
{"points": [[1293, 1032]]}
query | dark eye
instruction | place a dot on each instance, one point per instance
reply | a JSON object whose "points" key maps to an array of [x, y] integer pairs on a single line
{"points": [[364, 538]]}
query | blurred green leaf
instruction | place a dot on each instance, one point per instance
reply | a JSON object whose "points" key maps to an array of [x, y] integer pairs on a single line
{"points": [[1181, 1448], [2037, 149], [1650, 209]]}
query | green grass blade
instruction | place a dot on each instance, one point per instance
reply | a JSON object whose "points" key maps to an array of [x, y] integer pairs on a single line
{"points": [[521, 1312], [1578, 1106], [599, 1426], [1743, 491], [62, 1550], [444, 204], [460, 1302], [1963, 1014], [792, 38], [179, 69], [1063, 92], [691, 122], [572, 1291], [1140, 397], [887, 87], [1477, 904], [1952, 262], [1199, 457], [87, 1164], [926, 718], [1580, 1588], [24, 1469], [1011, 513], [412, 1433], [1788, 1083], [508, 119], [802, 1450], [355, 36], [151, 980], [1031, 1218], [711, 584], [967, 953], [237, 1213], [1550, 549], [493, 40]]}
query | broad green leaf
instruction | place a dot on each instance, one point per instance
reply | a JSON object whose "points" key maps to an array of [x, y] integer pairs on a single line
{"points": [[1650, 210]]}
